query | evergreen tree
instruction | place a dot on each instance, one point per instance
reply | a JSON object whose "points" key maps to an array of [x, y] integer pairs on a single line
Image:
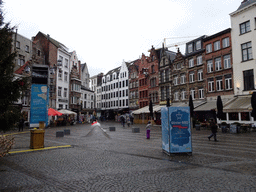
{"points": [[11, 87]]}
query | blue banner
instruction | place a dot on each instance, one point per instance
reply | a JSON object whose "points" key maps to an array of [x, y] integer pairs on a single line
{"points": [[38, 105], [180, 131]]}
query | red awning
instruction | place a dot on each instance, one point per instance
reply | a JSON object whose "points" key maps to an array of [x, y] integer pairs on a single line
{"points": [[53, 112]]}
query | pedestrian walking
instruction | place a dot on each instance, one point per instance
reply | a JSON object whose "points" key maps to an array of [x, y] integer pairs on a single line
{"points": [[131, 118], [128, 121], [122, 119], [148, 129], [21, 124], [214, 129]]}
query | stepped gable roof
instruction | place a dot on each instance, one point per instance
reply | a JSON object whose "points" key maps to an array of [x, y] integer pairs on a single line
{"points": [[245, 3]]}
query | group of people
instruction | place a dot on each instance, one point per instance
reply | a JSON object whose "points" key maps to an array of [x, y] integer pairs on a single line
{"points": [[127, 119]]}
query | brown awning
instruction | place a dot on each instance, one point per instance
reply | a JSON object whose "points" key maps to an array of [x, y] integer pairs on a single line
{"points": [[240, 104]]}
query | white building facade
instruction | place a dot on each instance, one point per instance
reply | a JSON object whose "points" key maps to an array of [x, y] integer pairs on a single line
{"points": [[62, 80], [243, 24]]}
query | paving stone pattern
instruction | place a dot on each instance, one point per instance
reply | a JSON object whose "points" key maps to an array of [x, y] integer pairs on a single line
{"points": [[103, 160]]}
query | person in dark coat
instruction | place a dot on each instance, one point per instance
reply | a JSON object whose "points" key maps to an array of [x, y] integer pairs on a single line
{"points": [[214, 129], [21, 124], [122, 119]]}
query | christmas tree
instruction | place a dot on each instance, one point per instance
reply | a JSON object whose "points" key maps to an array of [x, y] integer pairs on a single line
{"points": [[11, 87]]}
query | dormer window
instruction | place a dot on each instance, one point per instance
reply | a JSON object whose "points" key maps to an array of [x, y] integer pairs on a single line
{"points": [[190, 48], [198, 45]]}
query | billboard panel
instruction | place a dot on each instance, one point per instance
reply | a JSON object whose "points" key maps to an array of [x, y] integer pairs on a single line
{"points": [[38, 106]]}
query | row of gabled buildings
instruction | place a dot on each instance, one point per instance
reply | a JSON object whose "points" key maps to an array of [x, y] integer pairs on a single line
{"points": [[67, 78], [221, 64]]}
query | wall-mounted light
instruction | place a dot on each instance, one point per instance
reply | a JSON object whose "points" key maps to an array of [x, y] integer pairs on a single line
{"points": [[237, 88]]}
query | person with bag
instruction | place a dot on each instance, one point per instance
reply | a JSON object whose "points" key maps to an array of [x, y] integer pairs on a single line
{"points": [[214, 130], [148, 129]]}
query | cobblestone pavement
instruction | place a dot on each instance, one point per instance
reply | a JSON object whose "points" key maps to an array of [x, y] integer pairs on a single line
{"points": [[103, 160]]}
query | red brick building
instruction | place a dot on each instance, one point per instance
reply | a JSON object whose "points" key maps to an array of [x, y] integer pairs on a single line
{"points": [[218, 64], [148, 79]]}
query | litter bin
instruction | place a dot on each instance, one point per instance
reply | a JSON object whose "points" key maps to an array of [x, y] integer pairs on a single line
{"points": [[36, 138], [41, 125], [197, 127]]}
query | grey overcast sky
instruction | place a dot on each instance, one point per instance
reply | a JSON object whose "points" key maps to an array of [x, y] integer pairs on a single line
{"points": [[105, 32]]}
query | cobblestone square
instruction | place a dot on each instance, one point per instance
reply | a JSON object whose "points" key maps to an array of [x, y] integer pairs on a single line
{"points": [[96, 159]]}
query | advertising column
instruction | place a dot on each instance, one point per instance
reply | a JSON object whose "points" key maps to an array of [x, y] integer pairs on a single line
{"points": [[38, 107], [180, 131]]}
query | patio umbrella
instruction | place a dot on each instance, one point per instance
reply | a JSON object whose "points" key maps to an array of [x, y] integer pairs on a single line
{"points": [[53, 112], [151, 108], [253, 104], [168, 102], [219, 108], [191, 105]]}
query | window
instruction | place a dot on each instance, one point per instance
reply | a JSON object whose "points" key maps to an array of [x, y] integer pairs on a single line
{"points": [[227, 62], [65, 76], [209, 66], [201, 93], [225, 42], [183, 94], [167, 75], [66, 63], [27, 48], [228, 82], [59, 91], [209, 48], [210, 85], [60, 61], [162, 76], [198, 45], [21, 60], [218, 64], [219, 86], [190, 48], [176, 96], [247, 51], [191, 77], [216, 45], [167, 90], [162, 93], [85, 96], [192, 93], [200, 75], [152, 69], [191, 62], [175, 82], [60, 75], [248, 80], [65, 92], [245, 27], [182, 78], [178, 66], [199, 60], [38, 53], [18, 44]]}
